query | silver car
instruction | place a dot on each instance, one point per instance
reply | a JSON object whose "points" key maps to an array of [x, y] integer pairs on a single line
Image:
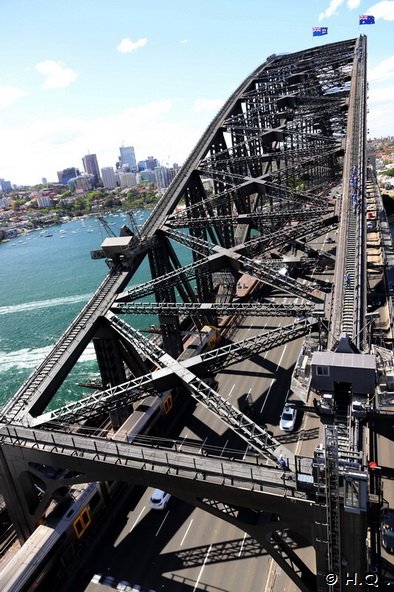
{"points": [[159, 500], [288, 418]]}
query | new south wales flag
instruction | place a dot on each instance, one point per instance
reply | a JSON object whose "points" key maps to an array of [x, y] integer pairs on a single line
{"points": [[319, 31]]}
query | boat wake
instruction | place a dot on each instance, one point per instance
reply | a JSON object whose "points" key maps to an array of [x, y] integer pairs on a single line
{"points": [[26, 358], [40, 304]]}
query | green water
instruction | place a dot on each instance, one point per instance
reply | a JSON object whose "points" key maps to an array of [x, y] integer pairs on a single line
{"points": [[45, 281]]}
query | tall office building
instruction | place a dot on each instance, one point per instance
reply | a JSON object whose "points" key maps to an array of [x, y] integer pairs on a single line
{"points": [[149, 164], [91, 167], [5, 186], [127, 158], [66, 174], [108, 177]]}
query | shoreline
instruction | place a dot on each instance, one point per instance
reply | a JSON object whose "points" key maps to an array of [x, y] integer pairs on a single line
{"points": [[27, 231]]}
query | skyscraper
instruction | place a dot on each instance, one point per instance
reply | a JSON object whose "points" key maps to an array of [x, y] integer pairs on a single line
{"points": [[90, 165], [127, 157], [108, 177], [66, 174], [149, 164]]}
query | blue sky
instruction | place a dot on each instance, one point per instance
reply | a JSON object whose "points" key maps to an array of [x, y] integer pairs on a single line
{"points": [[86, 76]]}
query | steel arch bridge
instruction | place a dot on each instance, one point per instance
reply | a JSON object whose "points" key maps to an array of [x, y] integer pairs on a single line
{"points": [[250, 202]]}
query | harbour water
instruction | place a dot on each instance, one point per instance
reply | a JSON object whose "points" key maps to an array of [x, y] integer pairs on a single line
{"points": [[45, 281]]}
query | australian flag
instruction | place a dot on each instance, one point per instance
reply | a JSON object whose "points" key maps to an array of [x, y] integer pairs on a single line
{"points": [[318, 31], [367, 19]]}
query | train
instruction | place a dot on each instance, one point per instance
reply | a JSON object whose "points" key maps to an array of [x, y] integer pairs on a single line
{"points": [[43, 552], [207, 338]]}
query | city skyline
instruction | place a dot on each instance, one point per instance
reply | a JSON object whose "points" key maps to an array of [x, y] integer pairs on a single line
{"points": [[154, 78]]}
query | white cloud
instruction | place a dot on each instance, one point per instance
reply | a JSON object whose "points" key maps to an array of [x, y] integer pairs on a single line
{"points": [[331, 10], [49, 145], [381, 95], [382, 10], [184, 41], [207, 105], [381, 110], [127, 45], [10, 94], [382, 71], [56, 75]]}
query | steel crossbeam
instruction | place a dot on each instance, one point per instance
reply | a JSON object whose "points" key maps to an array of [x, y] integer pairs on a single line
{"points": [[256, 437], [307, 230], [198, 245], [170, 279], [249, 266], [290, 197], [276, 280], [227, 157], [257, 220], [145, 347], [196, 309], [218, 359], [212, 361], [99, 402]]}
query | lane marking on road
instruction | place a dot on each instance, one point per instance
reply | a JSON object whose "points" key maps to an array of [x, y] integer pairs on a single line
{"points": [[242, 545], [273, 380], [270, 580], [280, 361], [183, 441], [187, 530], [136, 520], [202, 569], [267, 395], [161, 525], [232, 388]]}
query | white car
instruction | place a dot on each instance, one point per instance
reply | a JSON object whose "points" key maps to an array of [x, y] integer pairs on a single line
{"points": [[159, 500], [288, 418]]}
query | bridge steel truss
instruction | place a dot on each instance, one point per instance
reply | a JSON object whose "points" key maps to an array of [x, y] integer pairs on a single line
{"points": [[259, 183]]}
